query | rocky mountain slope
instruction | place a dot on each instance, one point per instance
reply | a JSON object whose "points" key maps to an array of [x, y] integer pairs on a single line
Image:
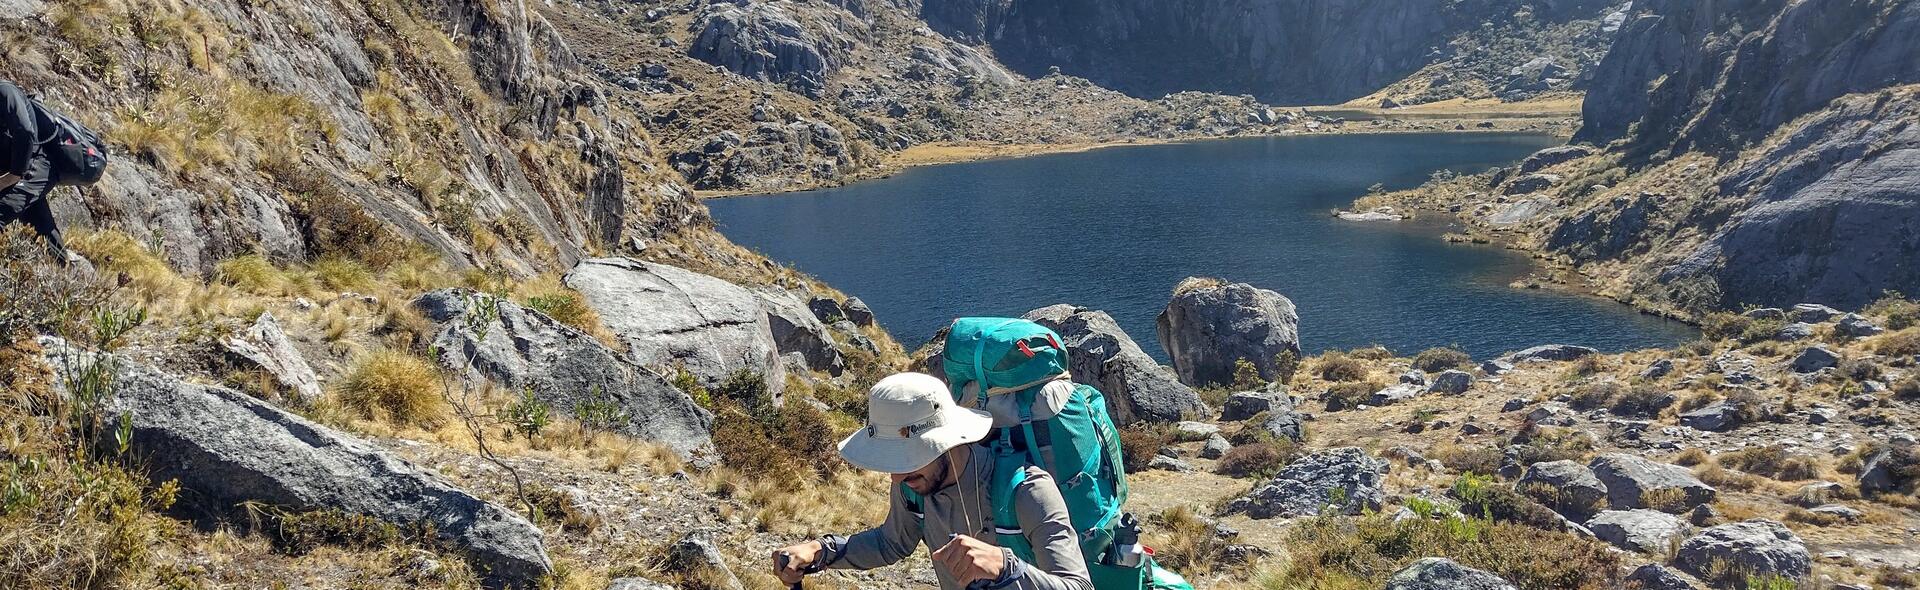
{"points": [[1291, 51], [1755, 153]]}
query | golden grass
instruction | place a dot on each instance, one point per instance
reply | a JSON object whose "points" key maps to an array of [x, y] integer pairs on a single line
{"points": [[394, 386]]}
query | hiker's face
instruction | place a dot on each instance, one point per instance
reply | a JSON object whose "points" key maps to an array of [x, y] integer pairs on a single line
{"points": [[925, 480]]}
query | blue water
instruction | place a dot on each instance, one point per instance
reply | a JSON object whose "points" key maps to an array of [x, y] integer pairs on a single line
{"points": [[1116, 229]]}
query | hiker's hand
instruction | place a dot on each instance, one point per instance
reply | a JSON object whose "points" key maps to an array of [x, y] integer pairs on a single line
{"points": [[969, 559], [798, 558]]}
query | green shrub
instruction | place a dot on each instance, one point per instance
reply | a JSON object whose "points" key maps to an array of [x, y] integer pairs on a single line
{"points": [[299, 533], [1246, 376], [796, 440], [1481, 459], [1371, 353], [1903, 344], [1336, 552], [1441, 358], [566, 308], [1480, 497], [1896, 310], [528, 416], [1285, 365]]}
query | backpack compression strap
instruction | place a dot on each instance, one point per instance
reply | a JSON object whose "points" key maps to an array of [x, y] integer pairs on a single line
{"points": [[1009, 472]]}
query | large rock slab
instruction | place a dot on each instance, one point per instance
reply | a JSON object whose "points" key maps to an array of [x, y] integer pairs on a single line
{"points": [[1102, 355], [1629, 478], [226, 448], [1345, 480], [1209, 325], [1645, 531], [797, 332], [267, 346], [1440, 573], [765, 42], [1247, 404], [522, 348], [666, 315], [1755, 547], [1553, 155]]}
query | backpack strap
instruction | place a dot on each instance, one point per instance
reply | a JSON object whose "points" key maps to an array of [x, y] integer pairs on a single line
{"points": [[1010, 470], [916, 504]]}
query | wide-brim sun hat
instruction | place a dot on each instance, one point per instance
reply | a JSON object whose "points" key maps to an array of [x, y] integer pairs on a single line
{"points": [[911, 420]]}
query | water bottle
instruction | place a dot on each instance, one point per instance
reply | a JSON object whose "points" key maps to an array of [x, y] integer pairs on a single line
{"points": [[1127, 551]]}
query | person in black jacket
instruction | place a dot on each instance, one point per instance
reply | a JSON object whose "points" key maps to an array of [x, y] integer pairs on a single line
{"points": [[26, 173]]}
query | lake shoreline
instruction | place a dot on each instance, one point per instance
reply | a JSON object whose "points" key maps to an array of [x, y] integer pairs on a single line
{"points": [[943, 153], [1126, 180]]}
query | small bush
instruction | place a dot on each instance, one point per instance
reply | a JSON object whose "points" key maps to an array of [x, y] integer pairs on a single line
{"points": [[1188, 542], [1340, 552], [1724, 325], [797, 440], [1479, 496], [1371, 353], [1556, 444], [1481, 459], [1338, 367], [1140, 442], [1641, 400], [394, 386], [1773, 461], [1859, 369], [1908, 388], [1903, 344], [1761, 331], [1259, 460], [1899, 312], [1246, 376], [301, 533], [1597, 394], [529, 416], [1441, 358], [1285, 365], [1345, 396], [1691, 457], [1813, 518], [1669, 500]]}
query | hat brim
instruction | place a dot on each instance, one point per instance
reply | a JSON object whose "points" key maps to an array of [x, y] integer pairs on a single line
{"points": [[906, 455]]}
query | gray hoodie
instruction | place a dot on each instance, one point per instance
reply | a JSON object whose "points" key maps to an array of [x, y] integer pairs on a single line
{"points": [[965, 508]]}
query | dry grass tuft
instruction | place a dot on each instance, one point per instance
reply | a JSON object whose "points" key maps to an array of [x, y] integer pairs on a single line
{"points": [[395, 387]]}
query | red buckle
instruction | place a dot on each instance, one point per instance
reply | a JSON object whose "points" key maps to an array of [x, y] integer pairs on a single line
{"points": [[1023, 348]]}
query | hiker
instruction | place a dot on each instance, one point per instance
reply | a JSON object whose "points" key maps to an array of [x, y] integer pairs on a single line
{"points": [[41, 150], [942, 497]]}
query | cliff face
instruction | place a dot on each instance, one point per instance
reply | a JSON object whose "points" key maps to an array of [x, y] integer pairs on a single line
{"points": [[1756, 153], [1722, 75], [1286, 51]]}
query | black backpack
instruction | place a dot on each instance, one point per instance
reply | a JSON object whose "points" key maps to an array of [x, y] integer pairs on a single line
{"points": [[76, 152]]}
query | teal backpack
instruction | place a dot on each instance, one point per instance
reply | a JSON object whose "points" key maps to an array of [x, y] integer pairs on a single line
{"points": [[1078, 445]]}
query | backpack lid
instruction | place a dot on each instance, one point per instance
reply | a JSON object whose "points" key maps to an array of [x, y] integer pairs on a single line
{"points": [[1005, 409], [1001, 353]]}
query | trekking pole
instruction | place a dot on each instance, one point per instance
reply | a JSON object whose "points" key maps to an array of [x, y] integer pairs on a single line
{"points": [[781, 562]]}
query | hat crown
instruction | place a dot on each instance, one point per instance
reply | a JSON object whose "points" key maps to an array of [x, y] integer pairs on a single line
{"points": [[905, 399]]}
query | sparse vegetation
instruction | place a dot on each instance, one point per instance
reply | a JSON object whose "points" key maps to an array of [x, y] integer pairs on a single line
{"points": [[1338, 367], [1441, 358], [1140, 442], [1772, 461], [1362, 552], [1257, 460]]}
